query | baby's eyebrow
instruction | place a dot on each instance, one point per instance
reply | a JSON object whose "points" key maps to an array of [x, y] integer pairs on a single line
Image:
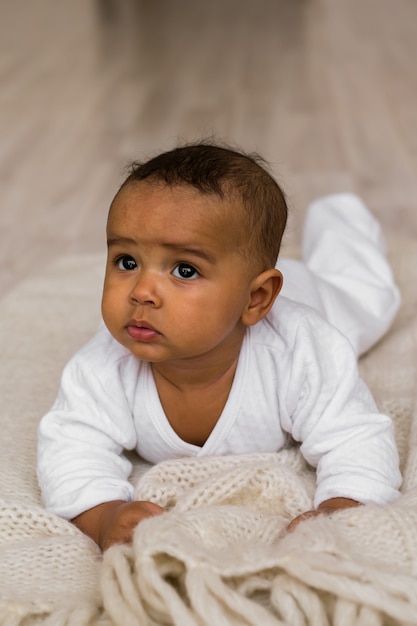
{"points": [[179, 248], [186, 249], [115, 241]]}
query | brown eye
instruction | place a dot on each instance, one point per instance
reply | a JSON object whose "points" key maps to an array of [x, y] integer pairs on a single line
{"points": [[185, 271], [126, 263]]}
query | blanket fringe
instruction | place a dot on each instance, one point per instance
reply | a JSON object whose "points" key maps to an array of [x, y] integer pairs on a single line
{"points": [[305, 578]]}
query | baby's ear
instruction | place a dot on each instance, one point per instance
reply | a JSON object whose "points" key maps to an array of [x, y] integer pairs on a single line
{"points": [[264, 289]]}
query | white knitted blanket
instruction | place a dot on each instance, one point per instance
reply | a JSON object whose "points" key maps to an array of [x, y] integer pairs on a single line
{"points": [[221, 555]]}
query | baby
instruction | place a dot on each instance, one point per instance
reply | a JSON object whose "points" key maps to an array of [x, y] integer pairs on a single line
{"points": [[197, 356]]}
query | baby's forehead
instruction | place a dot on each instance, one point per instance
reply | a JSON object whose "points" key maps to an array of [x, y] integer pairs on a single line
{"points": [[216, 216]]}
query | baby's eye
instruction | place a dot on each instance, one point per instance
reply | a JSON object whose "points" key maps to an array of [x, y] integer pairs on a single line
{"points": [[184, 270], [126, 263]]}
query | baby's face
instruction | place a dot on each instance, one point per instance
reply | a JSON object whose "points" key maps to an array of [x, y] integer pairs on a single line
{"points": [[176, 284]]}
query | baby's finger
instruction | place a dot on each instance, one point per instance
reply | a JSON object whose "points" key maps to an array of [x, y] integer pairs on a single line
{"points": [[300, 518], [154, 509]]}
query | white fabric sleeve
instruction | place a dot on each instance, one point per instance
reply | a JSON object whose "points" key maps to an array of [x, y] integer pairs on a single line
{"points": [[81, 440], [332, 413]]}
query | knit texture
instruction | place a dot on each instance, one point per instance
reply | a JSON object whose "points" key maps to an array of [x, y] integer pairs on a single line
{"points": [[221, 554]]}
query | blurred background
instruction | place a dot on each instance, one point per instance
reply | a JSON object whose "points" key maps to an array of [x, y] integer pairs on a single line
{"points": [[325, 90]]}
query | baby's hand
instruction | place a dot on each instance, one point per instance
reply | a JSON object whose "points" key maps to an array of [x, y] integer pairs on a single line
{"points": [[327, 507], [114, 522], [119, 522]]}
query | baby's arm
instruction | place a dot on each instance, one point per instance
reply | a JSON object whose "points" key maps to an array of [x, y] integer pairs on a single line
{"points": [[114, 522], [82, 471], [332, 413]]}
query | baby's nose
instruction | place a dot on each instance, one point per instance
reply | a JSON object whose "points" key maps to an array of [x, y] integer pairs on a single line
{"points": [[145, 291]]}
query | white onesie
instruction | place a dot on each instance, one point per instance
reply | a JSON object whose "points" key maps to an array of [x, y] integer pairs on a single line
{"points": [[297, 375]]}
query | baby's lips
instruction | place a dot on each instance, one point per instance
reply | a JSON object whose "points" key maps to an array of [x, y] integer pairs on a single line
{"points": [[142, 331]]}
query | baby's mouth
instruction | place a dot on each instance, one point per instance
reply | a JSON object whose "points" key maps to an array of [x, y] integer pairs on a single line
{"points": [[142, 331]]}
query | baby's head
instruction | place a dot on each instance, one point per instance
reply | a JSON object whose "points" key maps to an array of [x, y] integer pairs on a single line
{"points": [[255, 202], [193, 237]]}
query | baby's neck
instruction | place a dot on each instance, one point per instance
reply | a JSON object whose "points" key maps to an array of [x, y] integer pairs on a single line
{"points": [[193, 405], [193, 375]]}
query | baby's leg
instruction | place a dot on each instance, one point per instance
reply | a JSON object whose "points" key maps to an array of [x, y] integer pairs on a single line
{"points": [[344, 272]]}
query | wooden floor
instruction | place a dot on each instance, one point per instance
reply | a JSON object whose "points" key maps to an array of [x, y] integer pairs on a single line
{"points": [[324, 89]]}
